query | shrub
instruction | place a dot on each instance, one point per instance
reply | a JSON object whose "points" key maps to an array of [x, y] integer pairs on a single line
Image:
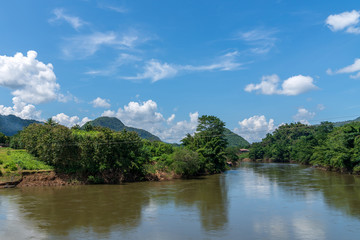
{"points": [[186, 162]]}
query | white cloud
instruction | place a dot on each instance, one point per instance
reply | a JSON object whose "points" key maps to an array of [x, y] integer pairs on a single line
{"points": [[262, 40], [269, 85], [75, 22], [177, 131], [170, 119], [255, 128], [118, 9], [291, 87], [122, 59], [99, 102], [146, 116], [297, 85], [32, 81], [303, 116], [347, 21], [353, 68], [155, 70], [86, 45], [68, 121], [21, 109], [138, 115], [226, 62]]}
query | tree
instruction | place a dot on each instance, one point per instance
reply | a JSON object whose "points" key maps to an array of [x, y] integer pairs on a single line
{"points": [[210, 142]]}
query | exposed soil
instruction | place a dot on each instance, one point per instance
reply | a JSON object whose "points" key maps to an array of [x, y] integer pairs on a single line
{"points": [[44, 178]]}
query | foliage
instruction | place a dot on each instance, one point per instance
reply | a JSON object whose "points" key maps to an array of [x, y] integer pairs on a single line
{"points": [[4, 139], [210, 143], [335, 148], [341, 150], [19, 159], [232, 154], [186, 162]]}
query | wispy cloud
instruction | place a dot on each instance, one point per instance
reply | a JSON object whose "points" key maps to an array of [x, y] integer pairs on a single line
{"points": [[353, 68], [262, 40], [86, 45], [112, 68], [119, 9], [156, 70], [60, 15]]}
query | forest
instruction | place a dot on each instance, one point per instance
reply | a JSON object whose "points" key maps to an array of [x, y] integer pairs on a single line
{"points": [[323, 146]]}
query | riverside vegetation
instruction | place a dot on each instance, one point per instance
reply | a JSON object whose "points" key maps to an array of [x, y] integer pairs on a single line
{"points": [[100, 155], [324, 146]]}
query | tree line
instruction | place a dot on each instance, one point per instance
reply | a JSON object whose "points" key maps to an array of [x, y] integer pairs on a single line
{"points": [[325, 146], [103, 155]]}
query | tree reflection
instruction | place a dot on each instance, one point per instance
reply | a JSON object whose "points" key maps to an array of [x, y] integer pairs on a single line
{"points": [[341, 191]]}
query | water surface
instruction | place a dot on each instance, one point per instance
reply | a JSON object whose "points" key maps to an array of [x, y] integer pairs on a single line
{"points": [[254, 201]]}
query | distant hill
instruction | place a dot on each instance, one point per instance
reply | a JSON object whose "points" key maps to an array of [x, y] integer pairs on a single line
{"points": [[339, 124], [116, 125], [235, 140], [10, 125]]}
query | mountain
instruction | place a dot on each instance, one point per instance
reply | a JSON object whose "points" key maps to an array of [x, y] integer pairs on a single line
{"points": [[10, 125], [339, 124], [235, 140], [116, 125]]}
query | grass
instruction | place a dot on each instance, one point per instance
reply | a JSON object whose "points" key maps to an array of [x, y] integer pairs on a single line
{"points": [[13, 161]]}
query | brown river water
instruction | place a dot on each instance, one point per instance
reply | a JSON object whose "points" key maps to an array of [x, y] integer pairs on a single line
{"points": [[253, 201]]}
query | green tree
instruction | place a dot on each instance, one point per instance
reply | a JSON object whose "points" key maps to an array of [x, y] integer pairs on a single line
{"points": [[210, 142]]}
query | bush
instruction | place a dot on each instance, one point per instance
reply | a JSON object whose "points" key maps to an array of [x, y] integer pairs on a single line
{"points": [[186, 162]]}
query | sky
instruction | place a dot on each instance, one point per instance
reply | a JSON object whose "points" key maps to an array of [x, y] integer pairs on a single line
{"points": [[159, 65]]}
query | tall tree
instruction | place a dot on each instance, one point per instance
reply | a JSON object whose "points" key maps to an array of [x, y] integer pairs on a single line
{"points": [[210, 142]]}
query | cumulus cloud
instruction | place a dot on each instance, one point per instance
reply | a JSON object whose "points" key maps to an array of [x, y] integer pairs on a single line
{"points": [[30, 80], [292, 86], [60, 15], [68, 121], [86, 45], [138, 115], [255, 128], [263, 40], [156, 70], [347, 21], [177, 131], [145, 115], [303, 115], [21, 109], [99, 102]]}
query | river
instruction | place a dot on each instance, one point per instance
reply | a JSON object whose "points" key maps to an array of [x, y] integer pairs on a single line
{"points": [[253, 201]]}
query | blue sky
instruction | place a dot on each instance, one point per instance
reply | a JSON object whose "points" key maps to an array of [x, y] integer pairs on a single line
{"points": [[158, 65]]}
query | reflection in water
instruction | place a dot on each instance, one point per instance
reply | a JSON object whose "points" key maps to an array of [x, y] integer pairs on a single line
{"points": [[105, 208], [340, 191], [255, 201]]}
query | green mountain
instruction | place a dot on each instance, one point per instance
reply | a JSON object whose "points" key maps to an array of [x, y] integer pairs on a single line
{"points": [[235, 140], [116, 125], [10, 125], [339, 124]]}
